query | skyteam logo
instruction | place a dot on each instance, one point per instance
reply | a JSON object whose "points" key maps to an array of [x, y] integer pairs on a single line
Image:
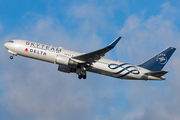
{"points": [[122, 69], [162, 59]]}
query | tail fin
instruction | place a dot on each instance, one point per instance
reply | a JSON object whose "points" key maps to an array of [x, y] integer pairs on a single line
{"points": [[157, 62]]}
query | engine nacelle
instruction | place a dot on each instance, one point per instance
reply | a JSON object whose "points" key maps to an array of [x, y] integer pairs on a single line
{"points": [[63, 60], [66, 69]]}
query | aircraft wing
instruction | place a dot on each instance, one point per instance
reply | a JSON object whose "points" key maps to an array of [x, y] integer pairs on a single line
{"points": [[98, 54]]}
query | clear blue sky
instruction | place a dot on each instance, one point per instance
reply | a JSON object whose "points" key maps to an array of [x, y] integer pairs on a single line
{"points": [[31, 89]]}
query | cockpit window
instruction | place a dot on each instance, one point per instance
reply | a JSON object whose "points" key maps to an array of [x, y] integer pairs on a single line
{"points": [[11, 41]]}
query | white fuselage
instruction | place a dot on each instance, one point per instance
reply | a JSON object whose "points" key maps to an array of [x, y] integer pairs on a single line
{"points": [[103, 66]]}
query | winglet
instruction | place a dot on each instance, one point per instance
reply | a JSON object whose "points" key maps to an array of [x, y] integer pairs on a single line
{"points": [[113, 44]]}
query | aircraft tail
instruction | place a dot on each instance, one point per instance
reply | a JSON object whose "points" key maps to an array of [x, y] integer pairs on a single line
{"points": [[157, 73], [157, 62]]}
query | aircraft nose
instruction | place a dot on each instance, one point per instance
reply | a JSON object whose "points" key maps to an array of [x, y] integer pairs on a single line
{"points": [[7, 45]]}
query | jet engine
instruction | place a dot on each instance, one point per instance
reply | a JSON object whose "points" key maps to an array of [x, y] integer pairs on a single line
{"points": [[66, 69], [63, 60]]}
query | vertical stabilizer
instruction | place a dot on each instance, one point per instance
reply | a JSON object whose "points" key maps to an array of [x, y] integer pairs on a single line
{"points": [[159, 61]]}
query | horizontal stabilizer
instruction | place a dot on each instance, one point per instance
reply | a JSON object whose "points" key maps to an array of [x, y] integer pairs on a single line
{"points": [[157, 73]]}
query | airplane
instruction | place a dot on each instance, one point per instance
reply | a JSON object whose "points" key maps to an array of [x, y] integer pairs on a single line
{"points": [[79, 63]]}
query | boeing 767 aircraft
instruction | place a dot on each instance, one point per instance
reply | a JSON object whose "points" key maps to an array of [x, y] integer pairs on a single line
{"points": [[70, 61]]}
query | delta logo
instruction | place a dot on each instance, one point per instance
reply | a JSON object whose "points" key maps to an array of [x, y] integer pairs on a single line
{"points": [[26, 50]]}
